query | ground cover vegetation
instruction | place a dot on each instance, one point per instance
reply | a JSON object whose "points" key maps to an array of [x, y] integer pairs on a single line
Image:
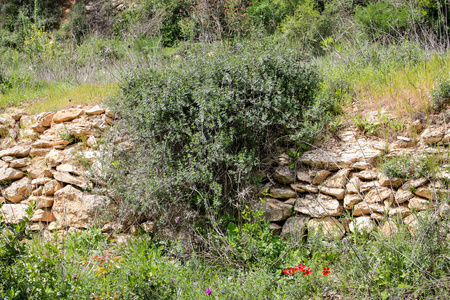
{"points": [[205, 90]]}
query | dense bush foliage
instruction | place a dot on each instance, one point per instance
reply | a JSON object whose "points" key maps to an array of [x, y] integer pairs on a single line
{"points": [[201, 125]]}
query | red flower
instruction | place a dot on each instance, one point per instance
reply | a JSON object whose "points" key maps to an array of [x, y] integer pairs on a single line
{"points": [[307, 272], [288, 271], [301, 267], [326, 271]]}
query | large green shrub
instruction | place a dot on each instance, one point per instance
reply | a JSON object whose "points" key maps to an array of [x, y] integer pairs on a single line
{"points": [[199, 126]]}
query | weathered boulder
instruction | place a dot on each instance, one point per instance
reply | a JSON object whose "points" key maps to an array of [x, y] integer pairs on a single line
{"points": [[69, 168], [51, 187], [17, 151], [282, 193], [414, 183], [39, 152], [335, 192], [42, 201], [75, 209], [328, 227], [96, 110], [367, 175], [433, 134], [362, 224], [419, 204], [350, 200], [275, 210], [338, 180], [304, 176], [401, 211], [43, 215], [7, 174], [366, 186], [67, 115], [301, 187], [379, 195], [402, 196], [20, 162], [18, 190], [42, 121], [54, 157], [318, 206], [13, 213], [295, 227], [390, 182], [363, 208], [284, 175], [321, 176], [427, 192], [67, 178], [353, 185]]}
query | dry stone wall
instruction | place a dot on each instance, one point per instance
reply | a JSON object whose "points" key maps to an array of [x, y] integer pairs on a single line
{"points": [[339, 188], [43, 159]]}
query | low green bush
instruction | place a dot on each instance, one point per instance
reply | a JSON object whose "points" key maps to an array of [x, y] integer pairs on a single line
{"points": [[440, 95], [200, 125]]}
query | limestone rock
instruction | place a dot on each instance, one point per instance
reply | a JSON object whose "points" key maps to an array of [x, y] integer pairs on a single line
{"points": [[39, 152], [149, 227], [96, 110], [432, 134], [414, 183], [321, 176], [412, 222], [338, 180], [42, 121], [379, 195], [67, 178], [275, 210], [7, 174], [92, 142], [353, 186], [17, 151], [363, 208], [54, 157], [67, 115], [367, 175], [377, 217], [419, 204], [402, 196], [51, 187], [275, 228], [360, 165], [366, 186], [291, 201], [304, 176], [390, 182], [42, 144], [20, 162], [304, 187], [318, 206], [77, 170], [401, 211], [40, 181], [27, 121], [282, 193], [338, 193], [389, 228], [42, 201], [350, 200], [427, 192], [13, 213], [284, 175], [43, 215], [328, 227], [295, 227], [73, 208], [18, 190], [362, 224], [444, 210]]}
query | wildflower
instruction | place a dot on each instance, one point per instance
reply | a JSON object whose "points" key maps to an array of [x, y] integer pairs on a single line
{"points": [[301, 267], [208, 292], [171, 279], [326, 271], [74, 276], [177, 220], [307, 272]]}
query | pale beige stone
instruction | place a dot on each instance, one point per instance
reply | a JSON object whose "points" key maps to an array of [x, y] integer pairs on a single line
{"points": [[291, 201], [427, 192], [335, 192], [366, 186], [92, 142], [77, 170], [304, 176], [390, 182], [18, 190], [338, 180], [327, 227], [419, 204], [39, 152], [7, 174], [318, 206], [360, 165], [295, 227], [402, 196], [433, 134], [350, 200], [13, 213], [379, 195], [412, 222], [17, 151], [51, 187], [40, 181], [38, 191], [96, 110], [27, 121], [54, 157], [42, 121], [67, 115], [149, 227], [282, 193], [361, 224], [275, 228], [321, 176], [401, 211], [275, 210], [353, 185], [42, 201], [414, 183], [20, 162], [284, 175], [377, 217], [43, 215], [42, 144], [75, 209], [363, 208], [389, 228], [304, 187], [367, 175], [67, 178]]}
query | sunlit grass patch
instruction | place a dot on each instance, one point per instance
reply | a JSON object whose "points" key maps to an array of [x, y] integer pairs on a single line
{"points": [[54, 96]]}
